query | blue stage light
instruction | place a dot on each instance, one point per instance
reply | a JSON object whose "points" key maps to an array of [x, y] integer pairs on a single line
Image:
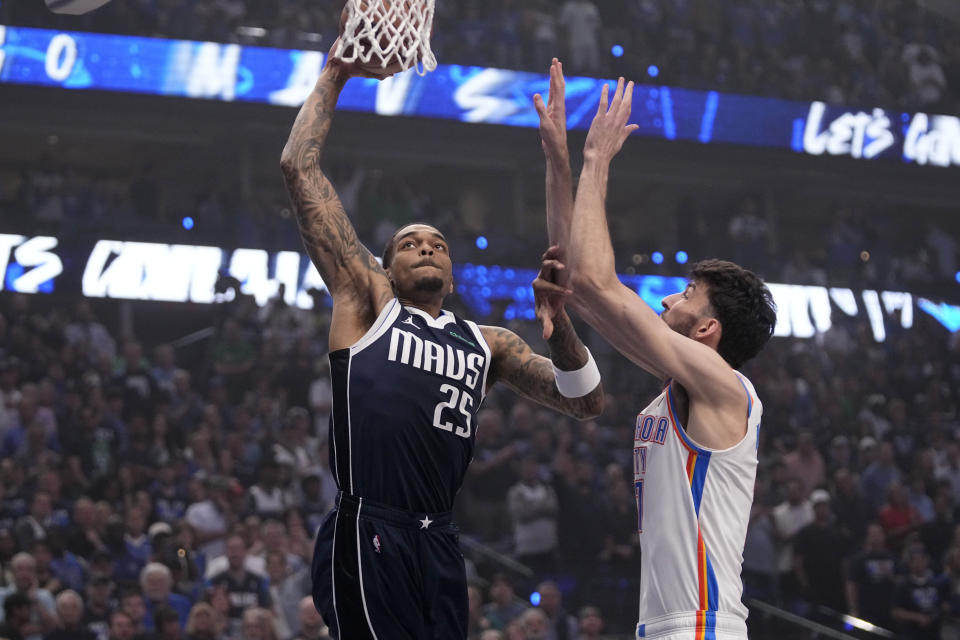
{"points": [[657, 257], [535, 598], [653, 71], [187, 223], [682, 257], [617, 51], [482, 242]]}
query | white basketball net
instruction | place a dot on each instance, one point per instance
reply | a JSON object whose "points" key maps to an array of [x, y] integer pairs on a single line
{"points": [[397, 30]]}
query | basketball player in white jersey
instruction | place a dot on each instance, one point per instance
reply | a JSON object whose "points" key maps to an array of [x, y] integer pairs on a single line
{"points": [[695, 445]]}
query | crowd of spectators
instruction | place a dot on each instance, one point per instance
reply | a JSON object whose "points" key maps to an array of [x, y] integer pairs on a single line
{"points": [[147, 491], [154, 492], [893, 53], [868, 246]]}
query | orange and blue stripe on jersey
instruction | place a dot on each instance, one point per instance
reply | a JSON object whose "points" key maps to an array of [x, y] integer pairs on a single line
{"points": [[698, 462]]}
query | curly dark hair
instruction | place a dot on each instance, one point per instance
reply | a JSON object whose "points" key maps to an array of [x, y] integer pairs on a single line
{"points": [[742, 304]]}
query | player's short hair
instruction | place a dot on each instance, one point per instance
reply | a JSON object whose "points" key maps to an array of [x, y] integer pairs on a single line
{"points": [[742, 304], [390, 249]]}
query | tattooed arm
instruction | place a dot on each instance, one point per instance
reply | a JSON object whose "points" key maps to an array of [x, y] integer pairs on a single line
{"points": [[531, 375], [358, 285]]}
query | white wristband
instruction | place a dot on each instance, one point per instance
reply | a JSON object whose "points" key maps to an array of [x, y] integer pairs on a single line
{"points": [[576, 384]]}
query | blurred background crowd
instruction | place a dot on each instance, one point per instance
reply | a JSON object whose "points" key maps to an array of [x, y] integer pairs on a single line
{"points": [[148, 489], [789, 237], [163, 467], [895, 54]]}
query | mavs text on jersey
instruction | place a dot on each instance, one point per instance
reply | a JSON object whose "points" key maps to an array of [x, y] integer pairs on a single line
{"points": [[402, 434], [404, 401]]}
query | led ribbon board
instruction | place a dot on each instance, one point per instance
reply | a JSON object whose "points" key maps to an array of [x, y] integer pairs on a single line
{"points": [[124, 270], [230, 72]]}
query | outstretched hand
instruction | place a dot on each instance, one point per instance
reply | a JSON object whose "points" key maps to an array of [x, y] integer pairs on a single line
{"points": [[553, 114], [550, 290], [609, 129]]}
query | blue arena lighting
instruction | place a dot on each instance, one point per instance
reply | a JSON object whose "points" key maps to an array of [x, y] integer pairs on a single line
{"points": [[535, 598], [657, 257], [77, 61], [187, 223], [682, 257], [482, 242], [956, 276], [617, 51]]}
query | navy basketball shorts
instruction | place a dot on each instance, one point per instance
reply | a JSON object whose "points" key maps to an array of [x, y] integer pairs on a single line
{"points": [[384, 574]]}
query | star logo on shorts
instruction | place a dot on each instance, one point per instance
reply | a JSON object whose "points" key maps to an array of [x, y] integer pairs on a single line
{"points": [[410, 322], [426, 522]]}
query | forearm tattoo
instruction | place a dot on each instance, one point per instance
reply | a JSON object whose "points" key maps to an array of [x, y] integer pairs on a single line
{"points": [[531, 375], [327, 233]]}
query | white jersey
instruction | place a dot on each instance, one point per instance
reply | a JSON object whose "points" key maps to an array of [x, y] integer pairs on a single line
{"points": [[693, 508]]}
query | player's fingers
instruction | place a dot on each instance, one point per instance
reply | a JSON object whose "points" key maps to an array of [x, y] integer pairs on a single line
{"points": [[604, 93], [547, 327], [554, 85], [551, 264], [627, 104], [561, 86], [618, 94], [547, 288], [539, 106], [333, 48], [551, 272], [552, 251]]}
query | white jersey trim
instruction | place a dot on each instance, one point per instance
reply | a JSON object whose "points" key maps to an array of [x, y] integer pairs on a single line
{"points": [[349, 423], [333, 441], [723, 626], [380, 326], [439, 322], [363, 594], [690, 443], [486, 350], [333, 571]]}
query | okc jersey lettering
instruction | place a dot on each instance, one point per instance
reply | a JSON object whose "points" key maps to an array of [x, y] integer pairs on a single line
{"points": [[407, 348], [693, 507], [645, 429]]}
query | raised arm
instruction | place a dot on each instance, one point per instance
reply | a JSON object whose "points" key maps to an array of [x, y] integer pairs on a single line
{"points": [[553, 138], [610, 307], [357, 283]]}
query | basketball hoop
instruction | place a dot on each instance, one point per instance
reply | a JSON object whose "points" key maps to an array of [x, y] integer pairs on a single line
{"points": [[385, 34]]}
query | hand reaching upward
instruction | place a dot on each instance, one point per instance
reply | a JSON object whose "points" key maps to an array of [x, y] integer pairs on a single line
{"points": [[553, 115], [609, 129]]}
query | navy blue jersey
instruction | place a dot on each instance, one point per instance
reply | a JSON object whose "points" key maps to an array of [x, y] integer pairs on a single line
{"points": [[405, 398]]}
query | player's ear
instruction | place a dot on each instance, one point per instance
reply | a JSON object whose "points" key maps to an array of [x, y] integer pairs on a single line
{"points": [[450, 288], [708, 327]]}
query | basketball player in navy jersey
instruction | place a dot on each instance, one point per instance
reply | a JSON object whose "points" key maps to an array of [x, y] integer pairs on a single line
{"points": [[408, 379], [695, 445]]}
